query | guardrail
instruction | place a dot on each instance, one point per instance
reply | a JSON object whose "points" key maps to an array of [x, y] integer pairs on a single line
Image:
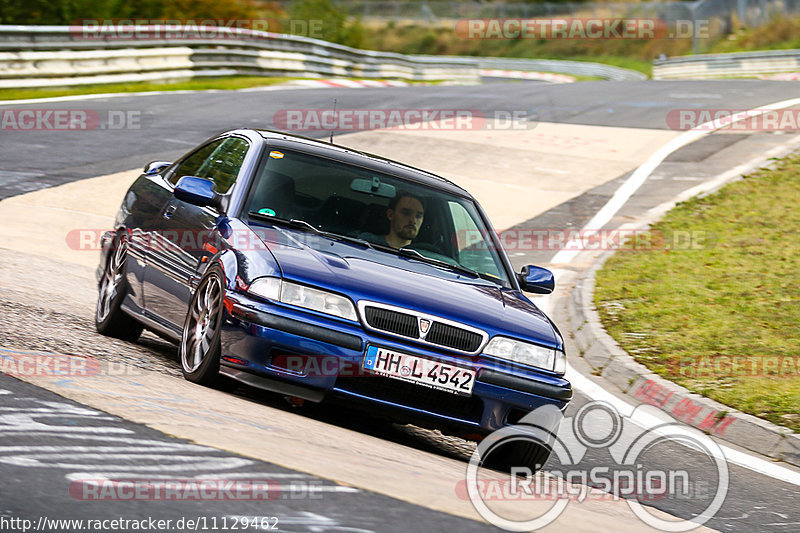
{"points": [[41, 56], [37, 56], [575, 68], [740, 64]]}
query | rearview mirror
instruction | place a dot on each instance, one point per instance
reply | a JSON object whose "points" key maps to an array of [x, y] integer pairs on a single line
{"points": [[373, 186], [536, 279], [197, 191]]}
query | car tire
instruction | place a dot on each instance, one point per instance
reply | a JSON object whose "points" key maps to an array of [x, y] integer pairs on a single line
{"points": [[516, 453], [199, 350], [109, 318]]}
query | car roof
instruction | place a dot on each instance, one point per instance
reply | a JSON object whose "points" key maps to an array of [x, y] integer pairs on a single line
{"points": [[356, 157]]}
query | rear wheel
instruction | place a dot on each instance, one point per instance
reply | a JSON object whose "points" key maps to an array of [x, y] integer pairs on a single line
{"points": [[109, 319], [200, 343]]}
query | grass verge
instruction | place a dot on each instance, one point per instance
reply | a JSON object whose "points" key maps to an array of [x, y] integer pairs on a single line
{"points": [[197, 84], [720, 316]]}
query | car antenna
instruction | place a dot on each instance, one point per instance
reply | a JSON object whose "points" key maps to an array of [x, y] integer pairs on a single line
{"points": [[334, 118]]}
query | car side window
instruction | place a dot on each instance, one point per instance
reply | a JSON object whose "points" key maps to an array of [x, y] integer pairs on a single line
{"points": [[219, 161], [472, 242], [192, 164]]}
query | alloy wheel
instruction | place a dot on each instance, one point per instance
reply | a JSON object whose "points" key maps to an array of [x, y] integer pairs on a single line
{"points": [[202, 323]]}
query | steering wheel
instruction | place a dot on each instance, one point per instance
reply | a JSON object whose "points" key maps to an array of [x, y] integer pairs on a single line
{"points": [[434, 252]]}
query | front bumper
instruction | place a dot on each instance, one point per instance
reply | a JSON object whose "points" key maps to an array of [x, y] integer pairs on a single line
{"points": [[311, 355]]}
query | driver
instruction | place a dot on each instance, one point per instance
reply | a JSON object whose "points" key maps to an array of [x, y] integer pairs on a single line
{"points": [[405, 214]]}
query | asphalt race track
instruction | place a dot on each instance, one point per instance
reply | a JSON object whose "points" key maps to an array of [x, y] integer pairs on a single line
{"points": [[172, 123], [47, 441]]}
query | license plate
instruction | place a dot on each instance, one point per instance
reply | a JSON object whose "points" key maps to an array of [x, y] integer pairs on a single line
{"points": [[425, 372]]}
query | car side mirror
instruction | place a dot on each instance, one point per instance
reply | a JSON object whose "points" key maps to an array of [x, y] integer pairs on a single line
{"points": [[197, 191], [536, 279], [154, 167]]}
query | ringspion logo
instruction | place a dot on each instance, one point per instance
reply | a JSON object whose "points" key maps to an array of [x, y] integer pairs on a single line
{"points": [[625, 474]]}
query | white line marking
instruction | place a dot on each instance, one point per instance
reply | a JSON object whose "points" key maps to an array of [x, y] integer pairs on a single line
{"points": [[99, 449], [187, 143], [637, 179], [596, 392], [179, 462]]}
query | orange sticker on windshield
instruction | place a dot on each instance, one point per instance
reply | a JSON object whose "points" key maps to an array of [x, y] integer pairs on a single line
{"points": [[276, 154]]}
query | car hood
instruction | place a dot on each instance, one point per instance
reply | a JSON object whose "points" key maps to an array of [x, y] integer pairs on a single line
{"points": [[366, 274]]}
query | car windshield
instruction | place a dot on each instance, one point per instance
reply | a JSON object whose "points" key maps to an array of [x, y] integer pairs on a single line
{"points": [[390, 213]]}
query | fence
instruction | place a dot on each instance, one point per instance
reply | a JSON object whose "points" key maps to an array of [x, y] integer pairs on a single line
{"points": [[748, 12], [575, 68], [37, 56], [742, 64]]}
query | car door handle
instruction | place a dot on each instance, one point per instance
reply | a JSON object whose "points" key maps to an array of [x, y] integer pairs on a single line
{"points": [[170, 210]]}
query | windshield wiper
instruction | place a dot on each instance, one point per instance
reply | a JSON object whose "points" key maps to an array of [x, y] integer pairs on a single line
{"points": [[298, 223], [405, 252], [410, 252]]}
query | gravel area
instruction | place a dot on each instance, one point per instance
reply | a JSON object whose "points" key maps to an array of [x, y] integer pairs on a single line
{"points": [[53, 313], [36, 329], [47, 306]]}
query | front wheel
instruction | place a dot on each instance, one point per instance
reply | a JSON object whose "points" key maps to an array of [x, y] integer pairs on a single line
{"points": [[200, 343], [109, 319]]}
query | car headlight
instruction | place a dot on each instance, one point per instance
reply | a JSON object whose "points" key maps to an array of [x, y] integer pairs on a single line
{"points": [[527, 354], [302, 296], [269, 288]]}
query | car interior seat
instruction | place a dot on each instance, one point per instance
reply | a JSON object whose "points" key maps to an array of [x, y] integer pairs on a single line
{"points": [[340, 215]]}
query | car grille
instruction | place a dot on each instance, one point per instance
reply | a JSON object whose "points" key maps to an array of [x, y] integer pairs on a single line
{"points": [[392, 321], [407, 325], [453, 337], [468, 408]]}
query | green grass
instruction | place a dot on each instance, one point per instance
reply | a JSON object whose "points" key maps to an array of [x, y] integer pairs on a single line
{"points": [[735, 294], [198, 84], [443, 40], [223, 83], [780, 34], [632, 63], [414, 38]]}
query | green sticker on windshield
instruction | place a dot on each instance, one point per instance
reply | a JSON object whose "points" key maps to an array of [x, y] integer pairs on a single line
{"points": [[267, 211]]}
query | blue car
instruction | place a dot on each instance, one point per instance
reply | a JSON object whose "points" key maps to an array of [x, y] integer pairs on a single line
{"points": [[320, 272]]}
